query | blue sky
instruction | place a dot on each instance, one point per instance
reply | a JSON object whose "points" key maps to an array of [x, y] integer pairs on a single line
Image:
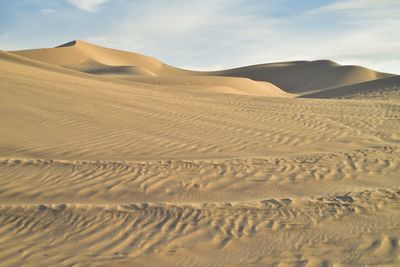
{"points": [[214, 34]]}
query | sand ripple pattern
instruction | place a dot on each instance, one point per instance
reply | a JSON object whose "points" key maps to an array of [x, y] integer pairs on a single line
{"points": [[100, 171], [58, 181], [121, 232], [121, 122]]}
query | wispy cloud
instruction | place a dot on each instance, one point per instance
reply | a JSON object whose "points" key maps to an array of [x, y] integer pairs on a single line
{"points": [[207, 33], [367, 33], [352, 5], [48, 11], [189, 33], [87, 5], [231, 33]]}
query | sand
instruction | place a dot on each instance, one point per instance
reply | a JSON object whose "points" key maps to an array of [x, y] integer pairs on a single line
{"points": [[111, 158]]}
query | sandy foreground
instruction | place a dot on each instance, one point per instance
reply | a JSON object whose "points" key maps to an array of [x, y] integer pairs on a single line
{"points": [[111, 158]]}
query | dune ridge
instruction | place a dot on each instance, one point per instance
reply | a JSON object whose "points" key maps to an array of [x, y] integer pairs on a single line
{"points": [[297, 77], [89, 58]]}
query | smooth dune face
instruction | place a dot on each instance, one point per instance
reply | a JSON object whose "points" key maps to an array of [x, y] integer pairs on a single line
{"points": [[110, 158]]}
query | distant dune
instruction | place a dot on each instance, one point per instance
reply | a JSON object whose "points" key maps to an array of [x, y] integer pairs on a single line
{"points": [[300, 77], [384, 88], [111, 158]]}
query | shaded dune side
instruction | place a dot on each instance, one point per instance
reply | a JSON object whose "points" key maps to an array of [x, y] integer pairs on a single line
{"points": [[385, 89], [121, 70], [305, 76]]}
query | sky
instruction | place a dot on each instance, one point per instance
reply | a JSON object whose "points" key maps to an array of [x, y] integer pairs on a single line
{"points": [[214, 34]]}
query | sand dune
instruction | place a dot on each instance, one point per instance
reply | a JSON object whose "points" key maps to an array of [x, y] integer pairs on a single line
{"points": [[147, 122], [89, 58], [84, 56], [110, 158], [384, 89], [300, 77], [297, 77]]}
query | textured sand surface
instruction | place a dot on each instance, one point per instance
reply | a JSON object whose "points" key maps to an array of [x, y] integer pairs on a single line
{"points": [[110, 158]]}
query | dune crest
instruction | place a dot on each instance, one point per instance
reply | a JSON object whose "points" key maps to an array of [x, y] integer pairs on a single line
{"points": [[297, 77], [85, 57]]}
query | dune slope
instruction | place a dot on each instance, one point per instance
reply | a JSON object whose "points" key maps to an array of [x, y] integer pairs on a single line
{"points": [[123, 167]]}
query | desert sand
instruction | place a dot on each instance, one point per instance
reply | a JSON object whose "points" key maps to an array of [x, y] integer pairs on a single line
{"points": [[112, 158]]}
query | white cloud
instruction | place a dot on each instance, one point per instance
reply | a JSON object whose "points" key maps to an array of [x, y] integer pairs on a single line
{"points": [[48, 11], [351, 5], [87, 5], [367, 33], [191, 33], [226, 33], [230, 33]]}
